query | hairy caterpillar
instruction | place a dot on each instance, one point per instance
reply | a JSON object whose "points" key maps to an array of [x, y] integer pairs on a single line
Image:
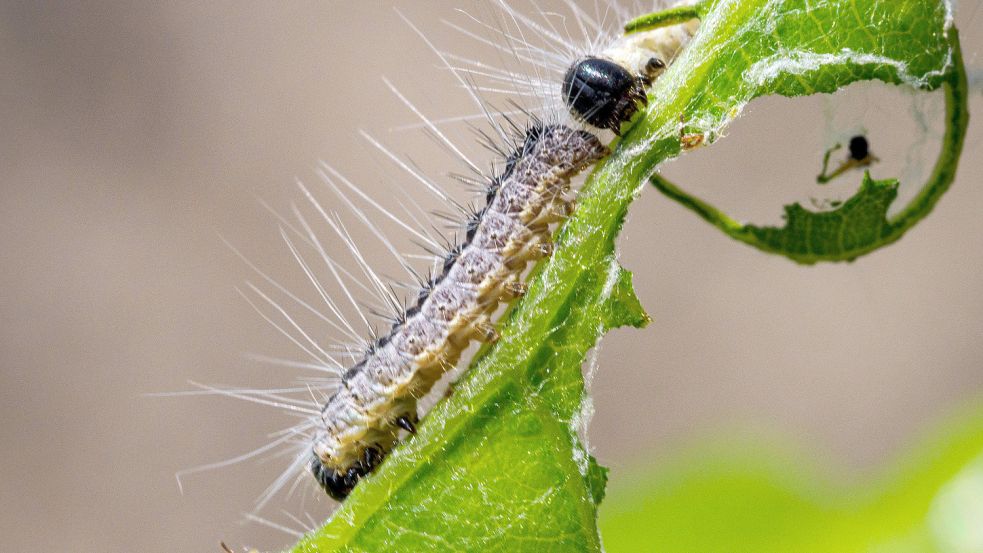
{"points": [[599, 75], [362, 421], [377, 396], [350, 433]]}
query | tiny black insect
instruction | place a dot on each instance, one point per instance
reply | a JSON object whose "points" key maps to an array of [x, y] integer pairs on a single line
{"points": [[860, 156], [859, 148]]}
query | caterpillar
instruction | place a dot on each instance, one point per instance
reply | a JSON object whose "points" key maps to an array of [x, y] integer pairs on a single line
{"points": [[376, 399]]}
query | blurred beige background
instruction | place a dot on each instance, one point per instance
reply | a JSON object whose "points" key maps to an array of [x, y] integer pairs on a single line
{"points": [[136, 136]]}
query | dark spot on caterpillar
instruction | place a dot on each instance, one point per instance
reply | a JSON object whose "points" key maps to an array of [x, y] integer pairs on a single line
{"points": [[472, 224], [352, 372], [533, 135], [509, 166], [381, 341], [603, 93], [492, 190], [452, 257]]}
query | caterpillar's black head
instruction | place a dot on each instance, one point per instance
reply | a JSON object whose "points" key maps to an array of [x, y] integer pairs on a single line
{"points": [[602, 93], [339, 484]]}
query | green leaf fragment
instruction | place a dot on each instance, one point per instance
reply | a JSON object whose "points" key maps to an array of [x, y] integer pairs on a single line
{"points": [[741, 495], [664, 18], [597, 480], [622, 307], [861, 224], [857, 226]]}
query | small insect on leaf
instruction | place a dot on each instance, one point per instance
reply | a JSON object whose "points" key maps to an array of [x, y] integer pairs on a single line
{"points": [[860, 156]]}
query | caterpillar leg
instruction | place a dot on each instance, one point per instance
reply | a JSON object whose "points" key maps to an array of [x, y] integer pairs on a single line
{"points": [[407, 422]]}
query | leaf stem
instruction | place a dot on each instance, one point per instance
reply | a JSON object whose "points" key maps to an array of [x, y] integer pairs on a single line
{"points": [[957, 122], [664, 18]]}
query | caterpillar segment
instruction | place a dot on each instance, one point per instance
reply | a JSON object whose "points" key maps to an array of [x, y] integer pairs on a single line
{"points": [[377, 399]]}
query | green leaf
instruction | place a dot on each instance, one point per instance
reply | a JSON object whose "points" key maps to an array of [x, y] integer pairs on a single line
{"points": [[861, 224], [498, 466], [749, 495], [858, 226]]}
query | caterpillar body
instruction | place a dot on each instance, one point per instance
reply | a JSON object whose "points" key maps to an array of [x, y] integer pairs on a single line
{"points": [[377, 397], [373, 399]]}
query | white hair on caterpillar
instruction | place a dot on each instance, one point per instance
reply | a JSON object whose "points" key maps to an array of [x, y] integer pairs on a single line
{"points": [[566, 60], [367, 390]]}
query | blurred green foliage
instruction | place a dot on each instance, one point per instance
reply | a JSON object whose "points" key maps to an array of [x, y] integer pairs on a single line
{"points": [[752, 495]]}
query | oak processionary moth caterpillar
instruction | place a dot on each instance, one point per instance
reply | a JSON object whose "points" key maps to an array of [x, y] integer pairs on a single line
{"points": [[376, 398]]}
